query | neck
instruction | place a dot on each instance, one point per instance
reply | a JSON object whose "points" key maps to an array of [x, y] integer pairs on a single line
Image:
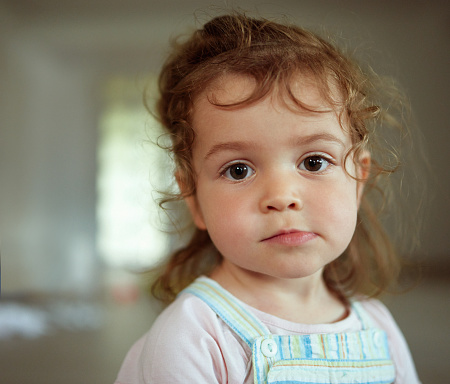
{"points": [[303, 300]]}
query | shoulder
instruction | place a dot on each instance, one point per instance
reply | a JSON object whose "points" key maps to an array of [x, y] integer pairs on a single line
{"points": [[383, 319], [187, 320], [190, 312], [187, 343]]}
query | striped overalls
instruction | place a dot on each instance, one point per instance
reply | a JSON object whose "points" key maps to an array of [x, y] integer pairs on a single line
{"points": [[353, 357]]}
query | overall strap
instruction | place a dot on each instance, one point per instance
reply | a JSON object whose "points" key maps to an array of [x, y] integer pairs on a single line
{"points": [[363, 316], [229, 309]]}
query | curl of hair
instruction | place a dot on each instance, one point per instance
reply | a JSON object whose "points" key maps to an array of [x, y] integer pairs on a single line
{"points": [[273, 54]]}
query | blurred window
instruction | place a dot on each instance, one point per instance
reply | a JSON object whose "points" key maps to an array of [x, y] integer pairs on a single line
{"points": [[130, 171]]}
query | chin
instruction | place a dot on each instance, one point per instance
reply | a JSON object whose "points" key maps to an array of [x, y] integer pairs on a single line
{"points": [[293, 272]]}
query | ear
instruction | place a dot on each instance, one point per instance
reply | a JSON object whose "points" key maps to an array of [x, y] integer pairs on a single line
{"points": [[362, 173], [196, 213], [191, 202]]}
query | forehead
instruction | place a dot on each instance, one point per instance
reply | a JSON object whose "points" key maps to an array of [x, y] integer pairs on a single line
{"points": [[217, 120], [301, 93]]}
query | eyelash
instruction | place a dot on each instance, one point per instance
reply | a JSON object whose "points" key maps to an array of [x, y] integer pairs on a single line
{"points": [[228, 167], [329, 161]]}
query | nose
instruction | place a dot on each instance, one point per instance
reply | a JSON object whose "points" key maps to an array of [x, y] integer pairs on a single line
{"points": [[281, 194]]}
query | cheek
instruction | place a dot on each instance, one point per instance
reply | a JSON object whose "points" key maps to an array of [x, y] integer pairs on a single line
{"points": [[218, 210], [337, 207], [226, 218]]}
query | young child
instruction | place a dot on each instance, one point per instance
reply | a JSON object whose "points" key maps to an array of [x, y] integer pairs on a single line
{"points": [[274, 135]]}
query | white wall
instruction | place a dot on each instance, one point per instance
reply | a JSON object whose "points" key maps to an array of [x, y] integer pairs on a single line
{"points": [[50, 71]]}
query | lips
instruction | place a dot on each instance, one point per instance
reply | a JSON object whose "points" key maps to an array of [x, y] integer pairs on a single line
{"points": [[291, 237]]}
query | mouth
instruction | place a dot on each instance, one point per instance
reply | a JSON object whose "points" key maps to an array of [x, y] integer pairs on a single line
{"points": [[290, 237]]}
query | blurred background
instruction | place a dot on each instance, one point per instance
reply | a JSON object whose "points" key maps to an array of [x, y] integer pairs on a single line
{"points": [[78, 171]]}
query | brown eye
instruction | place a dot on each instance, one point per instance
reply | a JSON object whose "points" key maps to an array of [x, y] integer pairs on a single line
{"points": [[238, 171], [314, 164]]}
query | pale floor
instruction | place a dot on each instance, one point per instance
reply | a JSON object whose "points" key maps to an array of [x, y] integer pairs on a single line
{"points": [[94, 356]]}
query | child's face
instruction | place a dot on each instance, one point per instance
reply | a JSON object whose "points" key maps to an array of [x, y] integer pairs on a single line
{"points": [[271, 187]]}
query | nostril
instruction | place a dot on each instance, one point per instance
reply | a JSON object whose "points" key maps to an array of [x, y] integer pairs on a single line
{"points": [[281, 202], [282, 207]]}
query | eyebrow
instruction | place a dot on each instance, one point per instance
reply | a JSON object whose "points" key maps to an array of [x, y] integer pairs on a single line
{"points": [[310, 139], [230, 146], [246, 145]]}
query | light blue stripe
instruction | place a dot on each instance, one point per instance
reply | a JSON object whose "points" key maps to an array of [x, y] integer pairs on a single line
{"points": [[256, 367], [310, 374], [327, 382], [280, 348], [238, 318], [307, 345], [366, 321], [386, 347], [346, 346], [223, 315], [338, 345], [290, 348], [246, 315]]}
